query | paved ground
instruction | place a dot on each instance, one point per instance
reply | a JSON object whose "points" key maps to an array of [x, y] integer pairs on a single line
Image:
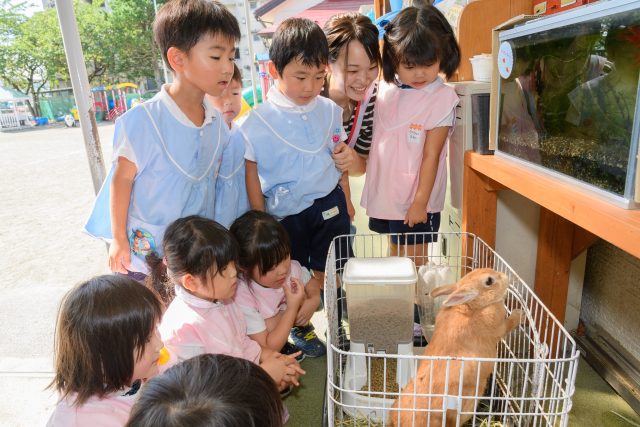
{"points": [[45, 194]]}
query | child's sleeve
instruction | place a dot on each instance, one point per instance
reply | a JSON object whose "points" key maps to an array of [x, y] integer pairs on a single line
{"points": [[300, 272], [448, 121], [128, 141], [253, 319], [246, 302], [249, 153]]}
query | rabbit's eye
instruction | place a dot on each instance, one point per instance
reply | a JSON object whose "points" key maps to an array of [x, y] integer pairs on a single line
{"points": [[489, 281]]}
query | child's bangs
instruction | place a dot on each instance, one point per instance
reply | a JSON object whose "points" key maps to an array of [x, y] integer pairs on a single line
{"points": [[271, 254], [215, 259], [313, 58], [412, 53]]}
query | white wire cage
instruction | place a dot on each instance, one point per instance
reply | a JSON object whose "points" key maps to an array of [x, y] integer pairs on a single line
{"points": [[531, 381]]}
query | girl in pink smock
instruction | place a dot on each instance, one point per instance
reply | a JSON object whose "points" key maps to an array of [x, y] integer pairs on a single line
{"points": [[406, 172], [274, 292], [107, 344], [199, 262]]}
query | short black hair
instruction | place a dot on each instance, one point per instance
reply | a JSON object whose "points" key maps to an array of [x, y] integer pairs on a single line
{"points": [[209, 390], [181, 24], [263, 241], [298, 38], [419, 36]]}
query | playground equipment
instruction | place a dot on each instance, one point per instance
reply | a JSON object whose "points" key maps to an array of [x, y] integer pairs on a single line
{"points": [[119, 98], [14, 109]]}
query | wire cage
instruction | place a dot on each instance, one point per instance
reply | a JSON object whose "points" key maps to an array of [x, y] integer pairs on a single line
{"points": [[531, 381]]}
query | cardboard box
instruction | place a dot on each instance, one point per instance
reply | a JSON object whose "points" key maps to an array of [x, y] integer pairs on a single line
{"points": [[495, 78]]}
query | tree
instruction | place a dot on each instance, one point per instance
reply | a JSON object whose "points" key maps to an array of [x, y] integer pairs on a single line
{"points": [[32, 55], [117, 44], [135, 53]]}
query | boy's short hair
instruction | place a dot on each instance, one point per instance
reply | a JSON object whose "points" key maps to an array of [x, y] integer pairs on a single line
{"points": [[181, 24], [237, 75], [209, 390], [103, 326], [298, 38]]}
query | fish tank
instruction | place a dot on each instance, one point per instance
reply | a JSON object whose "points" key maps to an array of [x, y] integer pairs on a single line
{"points": [[568, 97]]}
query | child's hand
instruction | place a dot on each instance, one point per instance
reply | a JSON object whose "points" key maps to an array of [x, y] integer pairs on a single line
{"points": [[416, 214], [343, 156], [294, 293], [293, 371], [119, 256], [283, 368]]}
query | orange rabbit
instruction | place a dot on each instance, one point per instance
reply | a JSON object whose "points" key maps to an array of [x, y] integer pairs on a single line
{"points": [[471, 322]]}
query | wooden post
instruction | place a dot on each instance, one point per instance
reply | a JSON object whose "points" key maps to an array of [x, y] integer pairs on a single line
{"points": [[381, 7], [479, 205]]}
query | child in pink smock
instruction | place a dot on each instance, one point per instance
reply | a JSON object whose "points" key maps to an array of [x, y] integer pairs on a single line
{"points": [[406, 172], [107, 344], [199, 261], [274, 292]]}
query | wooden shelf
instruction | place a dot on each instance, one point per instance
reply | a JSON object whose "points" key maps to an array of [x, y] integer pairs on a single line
{"points": [[571, 219], [618, 226]]}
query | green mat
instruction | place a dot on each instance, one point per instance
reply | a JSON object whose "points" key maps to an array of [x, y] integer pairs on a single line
{"points": [[305, 402]]}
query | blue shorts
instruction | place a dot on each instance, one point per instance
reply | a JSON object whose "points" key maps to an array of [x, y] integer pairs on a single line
{"points": [[312, 230], [385, 226]]}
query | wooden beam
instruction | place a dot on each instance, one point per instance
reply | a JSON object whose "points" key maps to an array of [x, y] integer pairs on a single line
{"points": [[479, 206], [553, 263], [618, 226], [582, 240]]}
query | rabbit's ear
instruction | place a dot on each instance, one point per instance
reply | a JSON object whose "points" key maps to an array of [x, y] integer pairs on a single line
{"points": [[443, 290], [460, 297]]}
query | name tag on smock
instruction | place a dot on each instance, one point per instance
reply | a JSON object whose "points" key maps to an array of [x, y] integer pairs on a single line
{"points": [[415, 134]]}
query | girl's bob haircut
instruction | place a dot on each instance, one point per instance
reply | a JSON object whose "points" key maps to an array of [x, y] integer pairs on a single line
{"points": [[419, 36], [263, 241], [102, 329]]}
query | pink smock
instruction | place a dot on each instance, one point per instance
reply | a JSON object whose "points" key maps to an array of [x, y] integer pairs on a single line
{"points": [[110, 411], [256, 301], [193, 326], [402, 119]]}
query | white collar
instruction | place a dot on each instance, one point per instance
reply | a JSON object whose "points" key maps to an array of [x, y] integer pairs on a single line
{"points": [[428, 88], [210, 113], [193, 300], [280, 100]]}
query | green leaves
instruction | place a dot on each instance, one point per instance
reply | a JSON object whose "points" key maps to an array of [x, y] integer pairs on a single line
{"points": [[117, 43]]}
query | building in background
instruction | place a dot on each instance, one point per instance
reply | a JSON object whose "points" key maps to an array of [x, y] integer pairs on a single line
{"points": [[244, 60]]}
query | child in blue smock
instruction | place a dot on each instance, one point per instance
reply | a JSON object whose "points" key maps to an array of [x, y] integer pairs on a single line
{"points": [[295, 154], [168, 150], [231, 190]]}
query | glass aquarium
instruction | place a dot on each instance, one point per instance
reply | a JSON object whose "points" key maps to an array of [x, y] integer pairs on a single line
{"points": [[569, 96]]}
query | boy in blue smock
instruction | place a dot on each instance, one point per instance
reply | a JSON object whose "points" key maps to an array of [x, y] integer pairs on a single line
{"points": [[231, 190], [167, 151], [295, 155]]}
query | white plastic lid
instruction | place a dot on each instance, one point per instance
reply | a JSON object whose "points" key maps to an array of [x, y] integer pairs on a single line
{"points": [[380, 271]]}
